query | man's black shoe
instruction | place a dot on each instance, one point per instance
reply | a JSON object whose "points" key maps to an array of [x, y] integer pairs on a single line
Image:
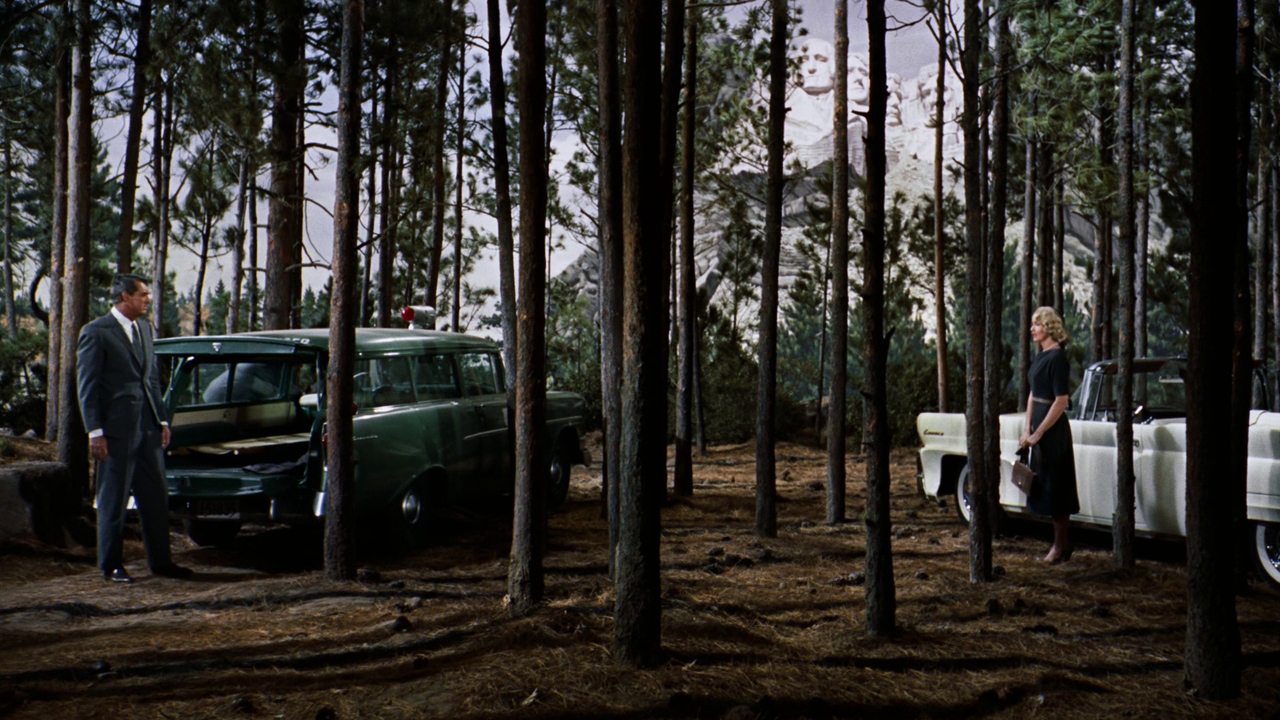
{"points": [[118, 575], [177, 572]]}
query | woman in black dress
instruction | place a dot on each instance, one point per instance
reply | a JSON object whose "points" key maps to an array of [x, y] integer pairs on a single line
{"points": [[1054, 491]]}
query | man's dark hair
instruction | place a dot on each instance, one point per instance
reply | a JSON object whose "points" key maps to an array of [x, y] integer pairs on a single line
{"points": [[126, 283]]}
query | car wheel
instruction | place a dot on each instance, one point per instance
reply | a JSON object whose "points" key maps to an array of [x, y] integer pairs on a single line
{"points": [[1267, 552], [211, 533], [557, 480], [409, 516], [964, 501]]}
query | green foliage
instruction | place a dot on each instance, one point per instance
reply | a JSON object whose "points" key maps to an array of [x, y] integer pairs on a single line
{"points": [[23, 380], [573, 348]]}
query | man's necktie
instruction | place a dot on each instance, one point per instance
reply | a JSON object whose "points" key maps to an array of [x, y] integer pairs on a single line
{"points": [[137, 342]]}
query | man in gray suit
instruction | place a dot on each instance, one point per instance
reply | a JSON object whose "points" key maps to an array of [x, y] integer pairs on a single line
{"points": [[120, 399]]}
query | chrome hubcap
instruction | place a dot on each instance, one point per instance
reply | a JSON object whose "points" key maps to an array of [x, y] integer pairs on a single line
{"points": [[411, 507]]}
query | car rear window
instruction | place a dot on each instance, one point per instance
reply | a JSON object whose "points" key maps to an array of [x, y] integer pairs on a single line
{"points": [[221, 382]]}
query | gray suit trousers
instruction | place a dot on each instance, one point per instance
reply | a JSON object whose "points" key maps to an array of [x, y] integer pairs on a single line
{"points": [[134, 462]]}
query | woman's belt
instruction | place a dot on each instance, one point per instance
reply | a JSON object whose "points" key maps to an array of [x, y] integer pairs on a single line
{"points": [[1041, 401]]}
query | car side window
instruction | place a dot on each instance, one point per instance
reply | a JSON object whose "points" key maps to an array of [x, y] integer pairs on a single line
{"points": [[479, 374], [434, 377], [383, 381]]}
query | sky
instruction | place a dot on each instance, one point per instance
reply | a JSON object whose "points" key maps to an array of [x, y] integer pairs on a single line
{"points": [[907, 50]]}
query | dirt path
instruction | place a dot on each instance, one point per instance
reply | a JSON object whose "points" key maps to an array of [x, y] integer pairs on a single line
{"points": [[752, 628]]}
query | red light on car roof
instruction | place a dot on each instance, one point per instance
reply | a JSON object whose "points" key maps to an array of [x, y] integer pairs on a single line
{"points": [[407, 314]]}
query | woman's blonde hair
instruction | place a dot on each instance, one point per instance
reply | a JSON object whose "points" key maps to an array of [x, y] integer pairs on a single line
{"points": [[1052, 322]]}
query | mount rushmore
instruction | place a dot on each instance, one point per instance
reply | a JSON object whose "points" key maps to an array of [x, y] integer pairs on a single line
{"points": [[910, 143]]}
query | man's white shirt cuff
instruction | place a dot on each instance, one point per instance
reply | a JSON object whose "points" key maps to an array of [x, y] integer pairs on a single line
{"points": [[95, 433]]}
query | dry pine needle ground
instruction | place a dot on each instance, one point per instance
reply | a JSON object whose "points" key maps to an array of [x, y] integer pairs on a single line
{"points": [[751, 628]]}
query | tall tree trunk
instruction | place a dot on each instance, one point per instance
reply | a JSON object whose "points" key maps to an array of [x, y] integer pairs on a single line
{"points": [[529, 527], [1140, 258], [390, 166], [285, 196], [205, 233], [339, 528], [979, 524], [457, 205], [58, 229], [237, 248], [1059, 244], [10, 307], [671, 57], [999, 168], [939, 224], [1027, 255], [881, 598], [73, 450], [1122, 526], [683, 480], [438, 163], [366, 281], [502, 189], [1213, 655], [133, 139], [766, 399], [642, 467], [1045, 177], [839, 269], [1262, 249], [162, 166], [254, 268], [1242, 358]]}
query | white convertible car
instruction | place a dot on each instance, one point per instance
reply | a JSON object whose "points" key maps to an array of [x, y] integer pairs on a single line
{"points": [[1159, 457]]}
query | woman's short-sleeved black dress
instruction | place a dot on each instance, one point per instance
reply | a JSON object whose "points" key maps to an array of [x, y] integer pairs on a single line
{"points": [[1054, 492]]}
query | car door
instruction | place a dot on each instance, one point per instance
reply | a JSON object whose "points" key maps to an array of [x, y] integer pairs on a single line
{"points": [[387, 429], [485, 401]]}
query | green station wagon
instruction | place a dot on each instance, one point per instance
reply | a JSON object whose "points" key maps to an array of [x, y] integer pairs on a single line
{"points": [[430, 428]]}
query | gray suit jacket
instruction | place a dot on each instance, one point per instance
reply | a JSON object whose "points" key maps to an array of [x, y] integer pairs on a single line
{"points": [[116, 386]]}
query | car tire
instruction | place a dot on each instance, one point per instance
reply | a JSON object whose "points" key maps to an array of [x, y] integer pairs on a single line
{"points": [[1267, 552], [964, 501], [409, 516], [211, 533], [558, 474]]}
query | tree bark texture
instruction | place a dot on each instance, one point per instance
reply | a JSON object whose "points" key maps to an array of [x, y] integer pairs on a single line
{"points": [[682, 483], [1027, 255], [529, 526], [1213, 655], [502, 191], [339, 528], [766, 399], [1044, 234], [387, 247], [133, 138], [609, 216], [975, 322], [881, 596], [283, 253], [162, 166], [1059, 245], [1242, 357], [1262, 247], [237, 247], [643, 457], [1122, 525], [996, 219], [10, 307], [73, 448], [58, 229], [839, 268], [456, 319], [432, 296], [939, 224]]}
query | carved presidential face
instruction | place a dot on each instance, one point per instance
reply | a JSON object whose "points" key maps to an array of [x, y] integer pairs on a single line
{"points": [[817, 66]]}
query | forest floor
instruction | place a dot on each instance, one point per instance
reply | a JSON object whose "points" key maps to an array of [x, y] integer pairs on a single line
{"points": [[751, 628]]}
